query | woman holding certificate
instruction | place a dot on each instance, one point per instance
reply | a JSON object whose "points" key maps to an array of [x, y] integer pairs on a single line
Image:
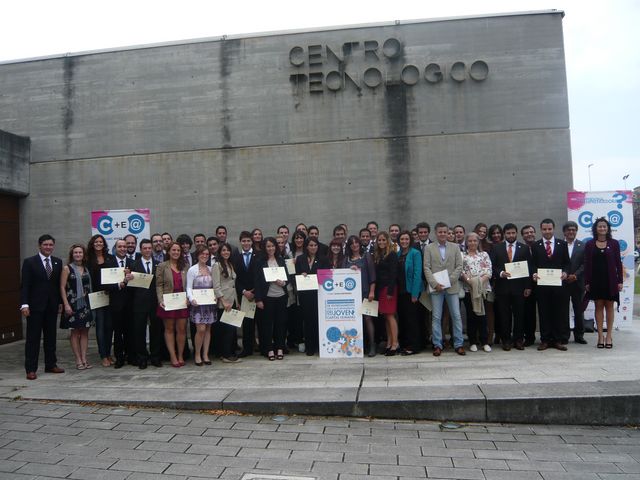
{"points": [[386, 262], [98, 255], [603, 277], [224, 286], [476, 273], [202, 314], [171, 277], [75, 287], [271, 297], [356, 259], [409, 288], [308, 264]]}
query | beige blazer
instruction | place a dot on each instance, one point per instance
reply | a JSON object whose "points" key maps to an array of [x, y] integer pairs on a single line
{"points": [[225, 288], [164, 280], [433, 263]]}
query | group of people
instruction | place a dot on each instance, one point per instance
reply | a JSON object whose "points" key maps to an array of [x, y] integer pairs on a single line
{"points": [[421, 287]]}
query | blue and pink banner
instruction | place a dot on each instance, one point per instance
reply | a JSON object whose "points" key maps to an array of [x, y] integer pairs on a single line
{"points": [[115, 224]]}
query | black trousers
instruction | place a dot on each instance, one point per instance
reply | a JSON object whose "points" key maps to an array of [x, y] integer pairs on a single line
{"points": [[576, 294], [295, 318], [553, 308], [222, 335], [41, 324], [530, 317], [510, 317], [249, 333], [476, 324], [408, 323], [156, 335], [309, 309], [121, 333], [273, 328]]}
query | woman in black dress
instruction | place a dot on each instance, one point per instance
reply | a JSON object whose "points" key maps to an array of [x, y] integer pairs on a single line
{"points": [[603, 277]]}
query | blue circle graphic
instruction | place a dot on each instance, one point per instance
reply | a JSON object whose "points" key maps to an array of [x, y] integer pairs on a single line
{"points": [[104, 225], [349, 283], [615, 218], [623, 245], [585, 219], [136, 223], [327, 284], [333, 334]]}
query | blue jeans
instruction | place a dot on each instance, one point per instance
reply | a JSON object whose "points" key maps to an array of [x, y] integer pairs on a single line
{"points": [[453, 302], [104, 331]]}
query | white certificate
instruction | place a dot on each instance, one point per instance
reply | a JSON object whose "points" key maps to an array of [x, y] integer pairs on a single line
{"points": [[369, 308], [109, 276], [233, 317], [550, 277], [248, 307], [309, 282], [174, 301], [140, 280], [98, 299], [442, 277], [271, 274], [291, 265], [517, 269], [204, 296]]}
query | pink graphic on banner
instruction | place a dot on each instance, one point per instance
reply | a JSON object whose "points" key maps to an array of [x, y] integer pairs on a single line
{"points": [[576, 200]]}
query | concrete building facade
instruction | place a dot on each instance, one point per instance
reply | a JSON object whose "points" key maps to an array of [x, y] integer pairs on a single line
{"points": [[462, 120]]}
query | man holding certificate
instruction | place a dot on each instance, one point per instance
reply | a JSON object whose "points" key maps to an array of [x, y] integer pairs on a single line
{"points": [[551, 261], [511, 264]]}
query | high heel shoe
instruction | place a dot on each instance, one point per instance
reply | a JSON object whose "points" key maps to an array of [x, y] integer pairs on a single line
{"points": [[600, 345], [609, 345], [280, 355]]}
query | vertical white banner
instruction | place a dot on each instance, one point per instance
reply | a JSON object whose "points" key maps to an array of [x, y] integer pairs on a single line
{"points": [[116, 224], [617, 207], [339, 319]]}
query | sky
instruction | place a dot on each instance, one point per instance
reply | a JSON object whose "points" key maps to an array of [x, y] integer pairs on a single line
{"points": [[601, 51]]}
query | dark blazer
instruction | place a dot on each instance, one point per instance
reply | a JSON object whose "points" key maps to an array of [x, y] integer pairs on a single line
{"points": [[117, 296], [144, 300], [614, 265], [576, 266], [323, 250], [38, 291], [302, 264], [261, 285], [560, 258], [387, 273], [245, 277], [96, 274], [499, 256]]}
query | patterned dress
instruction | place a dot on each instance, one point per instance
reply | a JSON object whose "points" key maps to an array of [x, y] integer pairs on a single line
{"points": [[82, 316], [203, 313]]}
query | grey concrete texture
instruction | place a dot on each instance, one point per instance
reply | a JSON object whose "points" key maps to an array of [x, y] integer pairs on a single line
{"points": [[584, 385], [41, 440], [15, 159]]}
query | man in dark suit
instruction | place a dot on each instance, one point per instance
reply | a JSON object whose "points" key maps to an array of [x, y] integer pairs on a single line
{"points": [[131, 241], [553, 301], [510, 293], [323, 249], [145, 302], [119, 302], [158, 248], [244, 264], [575, 280], [528, 233], [40, 304]]}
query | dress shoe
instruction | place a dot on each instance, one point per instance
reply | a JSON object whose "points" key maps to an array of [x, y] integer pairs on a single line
{"points": [[437, 351], [156, 363], [244, 354], [580, 340], [543, 346], [142, 364], [528, 343], [560, 346], [31, 375], [506, 347], [55, 369], [460, 351], [118, 364], [519, 345]]}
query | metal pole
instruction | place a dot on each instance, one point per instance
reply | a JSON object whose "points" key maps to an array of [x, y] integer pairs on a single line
{"points": [[589, 170]]}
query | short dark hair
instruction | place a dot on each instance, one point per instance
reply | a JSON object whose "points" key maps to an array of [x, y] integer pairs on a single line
{"points": [[424, 225], [198, 235], [44, 238], [184, 238], [373, 222], [525, 227], [509, 226], [221, 227], [146, 240], [135, 239], [313, 227], [548, 220], [338, 227], [462, 227], [213, 238], [569, 224], [440, 225], [167, 233], [363, 230], [245, 234], [395, 225], [282, 226]]}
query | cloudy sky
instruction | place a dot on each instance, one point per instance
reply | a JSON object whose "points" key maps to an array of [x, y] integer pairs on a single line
{"points": [[601, 48]]}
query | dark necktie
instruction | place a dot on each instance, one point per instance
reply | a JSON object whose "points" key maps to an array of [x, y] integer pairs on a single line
{"points": [[122, 263], [247, 257], [548, 249], [148, 271], [47, 267]]}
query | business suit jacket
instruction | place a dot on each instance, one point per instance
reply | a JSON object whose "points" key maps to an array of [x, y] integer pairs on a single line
{"points": [[499, 256], [144, 299], [559, 258], [245, 276], [614, 265], [164, 279], [452, 263], [413, 272], [302, 264], [224, 287], [38, 291], [576, 265], [261, 285], [117, 297]]}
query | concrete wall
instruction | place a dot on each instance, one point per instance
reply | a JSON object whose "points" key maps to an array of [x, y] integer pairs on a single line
{"points": [[14, 164], [229, 132]]}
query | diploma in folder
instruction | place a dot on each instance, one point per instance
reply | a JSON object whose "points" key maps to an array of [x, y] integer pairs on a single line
{"points": [[110, 276], [307, 282], [174, 301], [549, 277], [98, 299], [271, 274], [232, 317], [248, 307], [140, 280], [442, 277], [517, 269]]}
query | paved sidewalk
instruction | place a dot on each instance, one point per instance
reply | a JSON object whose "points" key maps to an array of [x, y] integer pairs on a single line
{"points": [[583, 385], [50, 440]]}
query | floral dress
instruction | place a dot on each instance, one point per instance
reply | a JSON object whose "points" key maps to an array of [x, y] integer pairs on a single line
{"points": [[203, 313], [82, 316]]}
